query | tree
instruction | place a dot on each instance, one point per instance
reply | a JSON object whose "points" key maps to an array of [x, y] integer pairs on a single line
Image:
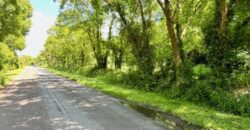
{"points": [[14, 25], [165, 6], [138, 32]]}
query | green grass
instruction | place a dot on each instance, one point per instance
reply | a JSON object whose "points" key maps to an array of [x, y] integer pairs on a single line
{"points": [[195, 114], [11, 74]]}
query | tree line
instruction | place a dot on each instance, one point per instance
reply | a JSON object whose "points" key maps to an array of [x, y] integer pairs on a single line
{"points": [[14, 25], [195, 49]]}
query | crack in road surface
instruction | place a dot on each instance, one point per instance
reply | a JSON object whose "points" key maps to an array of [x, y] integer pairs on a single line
{"points": [[39, 100]]}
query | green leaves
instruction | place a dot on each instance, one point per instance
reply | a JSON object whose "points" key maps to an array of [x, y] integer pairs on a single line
{"points": [[14, 17], [14, 25], [202, 71], [6, 55], [14, 42]]}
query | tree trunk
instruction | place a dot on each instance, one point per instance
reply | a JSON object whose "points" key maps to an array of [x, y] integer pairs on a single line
{"points": [[118, 60], [170, 27], [102, 62], [141, 48], [223, 23]]}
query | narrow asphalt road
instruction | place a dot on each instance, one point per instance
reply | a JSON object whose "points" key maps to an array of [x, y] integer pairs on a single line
{"points": [[39, 100]]}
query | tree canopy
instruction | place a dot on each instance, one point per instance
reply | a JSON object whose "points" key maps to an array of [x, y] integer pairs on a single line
{"points": [[14, 25]]}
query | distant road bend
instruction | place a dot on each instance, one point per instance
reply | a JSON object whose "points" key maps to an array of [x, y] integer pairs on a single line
{"points": [[39, 100]]}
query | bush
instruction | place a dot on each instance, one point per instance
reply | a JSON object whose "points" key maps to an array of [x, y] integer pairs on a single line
{"points": [[134, 79], [243, 79], [227, 102], [243, 105], [199, 92], [94, 72], [206, 89], [201, 87], [222, 100], [201, 71], [112, 76], [182, 80], [139, 80]]}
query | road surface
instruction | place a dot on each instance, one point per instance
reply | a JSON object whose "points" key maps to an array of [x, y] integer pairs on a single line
{"points": [[39, 100]]}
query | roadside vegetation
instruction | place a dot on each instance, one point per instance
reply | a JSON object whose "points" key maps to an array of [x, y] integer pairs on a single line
{"points": [[196, 114], [14, 25], [10, 75], [161, 52]]}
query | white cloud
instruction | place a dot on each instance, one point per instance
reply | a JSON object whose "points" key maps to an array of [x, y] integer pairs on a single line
{"points": [[38, 33]]}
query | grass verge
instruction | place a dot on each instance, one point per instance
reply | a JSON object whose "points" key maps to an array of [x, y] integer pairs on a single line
{"points": [[10, 75], [195, 114]]}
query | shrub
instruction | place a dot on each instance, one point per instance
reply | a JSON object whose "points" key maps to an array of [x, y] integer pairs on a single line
{"points": [[207, 89], [138, 80], [223, 101], [243, 105], [112, 76], [201, 87], [199, 92], [227, 102], [243, 79], [94, 72], [202, 71]]}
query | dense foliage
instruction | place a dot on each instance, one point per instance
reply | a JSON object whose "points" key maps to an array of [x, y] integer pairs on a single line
{"points": [[196, 50], [14, 25], [26, 60]]}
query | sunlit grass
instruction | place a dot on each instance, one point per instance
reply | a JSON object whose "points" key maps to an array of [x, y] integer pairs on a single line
{"points": [[11, 74], [199, 115]]}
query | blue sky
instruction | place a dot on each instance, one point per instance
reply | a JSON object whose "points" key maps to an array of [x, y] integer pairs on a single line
{"points": [[44, 16], [48, 7]]}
